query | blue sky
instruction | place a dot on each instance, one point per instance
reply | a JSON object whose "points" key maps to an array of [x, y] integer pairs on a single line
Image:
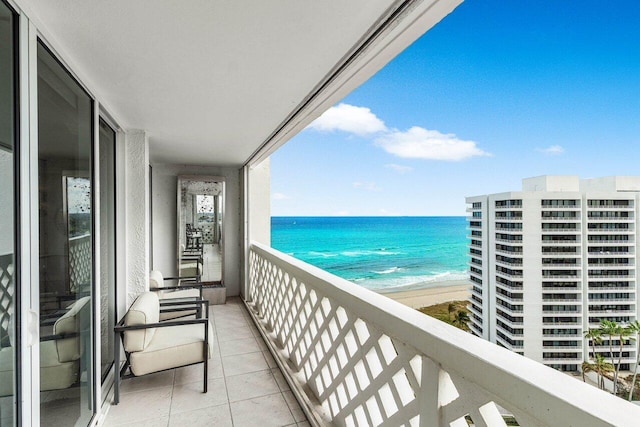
{"points": [[496, 92]]}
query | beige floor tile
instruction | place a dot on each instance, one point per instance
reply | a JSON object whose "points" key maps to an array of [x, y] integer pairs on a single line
{"points": [[243, 363], [262, 344], [194, 373], [232, 334], [187, 397], [240, 346], [231, 322], [294, 406], [156, 422], [218, 416], [280, 380], [156, 403], [266, 411], [248, 386], [147, 382], [270, 360]]}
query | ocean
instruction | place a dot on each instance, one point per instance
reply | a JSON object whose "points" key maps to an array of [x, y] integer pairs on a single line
{"points": [[379, 253]]}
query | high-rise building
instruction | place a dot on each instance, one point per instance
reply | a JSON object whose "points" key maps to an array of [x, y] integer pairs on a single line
{"points": [[549, 262]]}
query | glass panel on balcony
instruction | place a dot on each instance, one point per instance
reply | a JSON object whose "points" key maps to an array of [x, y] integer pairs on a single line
{"points": [[8, 107], [65, 119], [107, 147]]}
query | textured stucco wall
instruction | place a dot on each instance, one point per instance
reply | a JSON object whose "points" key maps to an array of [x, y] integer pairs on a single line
{"points": [[164, 197], [137, 213]]}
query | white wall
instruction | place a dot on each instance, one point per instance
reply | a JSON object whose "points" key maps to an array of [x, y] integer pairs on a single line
{"points": [[164, 212]]}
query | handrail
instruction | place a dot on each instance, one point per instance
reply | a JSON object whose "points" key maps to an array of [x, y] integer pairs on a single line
{"points": [[345, 346]]}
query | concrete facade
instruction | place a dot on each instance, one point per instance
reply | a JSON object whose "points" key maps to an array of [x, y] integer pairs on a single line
{"points": [[549, 262]]}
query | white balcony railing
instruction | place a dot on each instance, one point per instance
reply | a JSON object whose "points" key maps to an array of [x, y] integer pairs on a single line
{"points": [[353, 357]]}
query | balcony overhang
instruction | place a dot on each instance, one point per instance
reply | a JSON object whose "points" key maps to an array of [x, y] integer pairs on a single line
{"points": [[217, 82]]}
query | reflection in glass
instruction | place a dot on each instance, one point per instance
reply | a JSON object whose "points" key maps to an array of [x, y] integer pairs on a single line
{"points": [[65, 236], [200, 218], [107, 144], [7, 223]]}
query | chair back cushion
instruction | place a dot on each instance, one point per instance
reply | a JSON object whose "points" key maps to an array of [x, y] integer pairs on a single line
{"points": [[75, 320], [144, 310], [156, 280]]}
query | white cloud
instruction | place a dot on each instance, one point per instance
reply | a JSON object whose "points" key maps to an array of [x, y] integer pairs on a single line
{"points": [[552, 150], [369, 186], [280, 196], [399, 168], [388, 213], [349, 118], [421, 143], [342, 213]]}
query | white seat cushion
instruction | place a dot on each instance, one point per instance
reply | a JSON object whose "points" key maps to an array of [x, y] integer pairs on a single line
{"points": [[171, 347], [144, 310], [68, 349], [55, 375]]}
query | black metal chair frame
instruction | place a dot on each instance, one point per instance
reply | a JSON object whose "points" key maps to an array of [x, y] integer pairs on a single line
{"points": [[120, 329]]}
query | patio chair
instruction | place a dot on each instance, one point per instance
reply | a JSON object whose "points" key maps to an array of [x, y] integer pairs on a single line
{"points": [[182, 290], [60, 352], [153, 346]]}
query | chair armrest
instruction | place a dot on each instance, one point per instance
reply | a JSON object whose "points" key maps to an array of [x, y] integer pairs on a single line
{"points": [[120, 327], [175, 305], [194, 285], [180, 277]]}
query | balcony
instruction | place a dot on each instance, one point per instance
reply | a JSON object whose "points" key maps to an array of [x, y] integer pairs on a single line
{"points": [[353, 357], [245, 385]]}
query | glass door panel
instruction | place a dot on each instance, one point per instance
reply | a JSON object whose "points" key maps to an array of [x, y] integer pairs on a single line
{"points": [[107, 251], [65, 117], [8, 23]]}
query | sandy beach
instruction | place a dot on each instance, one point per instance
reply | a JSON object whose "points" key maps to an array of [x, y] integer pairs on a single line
{"points": [[436, 293]]}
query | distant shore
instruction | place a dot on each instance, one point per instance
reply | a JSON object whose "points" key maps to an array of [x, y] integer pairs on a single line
{"points": [[436, 293]]}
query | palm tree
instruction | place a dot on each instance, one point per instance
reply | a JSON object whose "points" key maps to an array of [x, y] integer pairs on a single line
{"points": [[607, 328], [634, 328], [595, 337], [461, 319], [623, 333], [587, 367], [451, 308], [602, 367]]}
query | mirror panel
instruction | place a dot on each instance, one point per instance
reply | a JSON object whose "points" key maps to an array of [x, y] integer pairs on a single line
{"points": [[200, 217]]}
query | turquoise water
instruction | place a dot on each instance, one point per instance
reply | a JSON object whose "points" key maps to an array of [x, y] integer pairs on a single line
{"points": [[379, 253]]}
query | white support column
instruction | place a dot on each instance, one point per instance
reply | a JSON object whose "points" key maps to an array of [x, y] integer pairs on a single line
{"points": [[260, 203], [256, 212], [137, 216]]}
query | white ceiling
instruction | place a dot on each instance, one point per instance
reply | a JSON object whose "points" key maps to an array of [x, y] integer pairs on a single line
{"points": [[209, 80]]}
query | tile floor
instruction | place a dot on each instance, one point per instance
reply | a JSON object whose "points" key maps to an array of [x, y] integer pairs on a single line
{"points": [[246, 388]]}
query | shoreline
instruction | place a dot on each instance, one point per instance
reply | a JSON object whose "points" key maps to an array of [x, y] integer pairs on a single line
{"points": [[436, 293]]}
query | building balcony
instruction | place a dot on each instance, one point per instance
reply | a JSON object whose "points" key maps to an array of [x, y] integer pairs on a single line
{"points": [[246, 387], [506, 344], [560, 219], [353, 357], [561, 230], [510, 275], [613, 231]]}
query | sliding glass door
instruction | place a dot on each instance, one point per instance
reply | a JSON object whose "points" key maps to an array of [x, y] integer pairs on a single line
{"points": [[65, 140], [8, 186], [107, 250]]}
